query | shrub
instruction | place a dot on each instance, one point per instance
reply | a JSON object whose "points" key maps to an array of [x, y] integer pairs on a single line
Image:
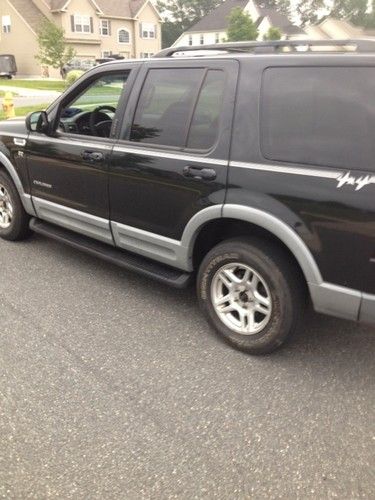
{"points": [[73, 76]]}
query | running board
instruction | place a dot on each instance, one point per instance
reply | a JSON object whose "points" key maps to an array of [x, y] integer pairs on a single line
{"points": [[126, 260]]}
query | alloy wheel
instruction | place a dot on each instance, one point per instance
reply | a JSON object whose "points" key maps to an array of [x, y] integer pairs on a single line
{"points": [[241, 298]]}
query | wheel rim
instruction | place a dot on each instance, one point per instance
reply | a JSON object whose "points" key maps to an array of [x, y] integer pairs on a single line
{"points": [[6, 208], [241, 298]]}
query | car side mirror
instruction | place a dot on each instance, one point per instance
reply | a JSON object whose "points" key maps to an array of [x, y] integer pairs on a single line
{"points": [[37, 122]]}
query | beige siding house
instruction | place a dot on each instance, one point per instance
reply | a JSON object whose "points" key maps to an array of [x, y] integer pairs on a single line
{"points": [[334, 29], [213, 27], [94, 28]]}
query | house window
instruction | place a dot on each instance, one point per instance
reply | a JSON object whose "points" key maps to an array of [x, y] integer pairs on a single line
{"points": [[82, 24], [146, 55], [190, 40], [217, 37], [147, 30], [106, 53], [105, 27], [201, 40], [123, 36], [5, 21]]}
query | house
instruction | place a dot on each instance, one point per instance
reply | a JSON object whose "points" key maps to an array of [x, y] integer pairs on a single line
{"points": [[334, 29], [94, 28], [213, 27]]}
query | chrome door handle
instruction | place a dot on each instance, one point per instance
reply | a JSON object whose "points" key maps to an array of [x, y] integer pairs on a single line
{"points": [[92, 156], [206, 174]]}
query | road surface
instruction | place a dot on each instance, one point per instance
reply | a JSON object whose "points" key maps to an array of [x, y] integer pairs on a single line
{"points": [[112, 386]]}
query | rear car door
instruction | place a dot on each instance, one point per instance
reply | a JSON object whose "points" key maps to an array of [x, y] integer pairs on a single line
{"points": [[171, 160]]}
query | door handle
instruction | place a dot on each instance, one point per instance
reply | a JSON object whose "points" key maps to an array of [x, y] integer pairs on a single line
{"points": [[92, 156], [206, 174]]}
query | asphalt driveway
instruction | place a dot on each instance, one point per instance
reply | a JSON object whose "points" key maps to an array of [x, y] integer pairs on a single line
{"points": [[112, 386]]}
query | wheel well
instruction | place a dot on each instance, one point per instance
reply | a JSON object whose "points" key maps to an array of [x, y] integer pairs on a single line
{"points": [[219, 230]]}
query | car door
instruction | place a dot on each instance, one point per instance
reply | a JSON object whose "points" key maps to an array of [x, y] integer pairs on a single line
{"points": [[171, 160], [69, 169]]}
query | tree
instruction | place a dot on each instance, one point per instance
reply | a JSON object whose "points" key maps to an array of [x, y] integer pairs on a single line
{"points": [[282, 6], [310, 11], [273, 34], [186, 12], [241, 27], [53, 50], [353, 10], [170, 32], [180, 15]]}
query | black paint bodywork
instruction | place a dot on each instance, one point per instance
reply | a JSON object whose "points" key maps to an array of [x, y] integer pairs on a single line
{"points": [[150, 192]]}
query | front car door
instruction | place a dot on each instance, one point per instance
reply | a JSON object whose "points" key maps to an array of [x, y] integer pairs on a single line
{"points": [[170, 164], [69, 169]]}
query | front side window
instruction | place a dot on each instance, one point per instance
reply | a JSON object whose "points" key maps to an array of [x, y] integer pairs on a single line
{"points": [[319, 116], [179, 108], [6, 24], [82, 24], [123, 36], [93, 110]]}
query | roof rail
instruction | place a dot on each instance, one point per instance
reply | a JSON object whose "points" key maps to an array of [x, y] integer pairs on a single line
{"points": [[359, 45]]}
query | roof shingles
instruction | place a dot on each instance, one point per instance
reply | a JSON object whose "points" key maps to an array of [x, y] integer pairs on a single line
{"points": [[30, 13], [115, 8], [218, 19]]}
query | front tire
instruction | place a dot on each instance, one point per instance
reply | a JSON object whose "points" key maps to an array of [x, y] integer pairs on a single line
{"points": [[14, 221], [251, 293]]}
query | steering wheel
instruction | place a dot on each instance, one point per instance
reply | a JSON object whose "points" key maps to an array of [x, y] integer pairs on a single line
{"points": [[100, 128]]}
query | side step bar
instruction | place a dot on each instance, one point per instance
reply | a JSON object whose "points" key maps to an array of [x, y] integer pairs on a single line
{"points": [[126, 260]]}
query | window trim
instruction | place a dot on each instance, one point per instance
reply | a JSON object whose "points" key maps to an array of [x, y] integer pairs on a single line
{"points": [[118, 36], [81, 17], [6, 26], [148, 32], [107, 28]]}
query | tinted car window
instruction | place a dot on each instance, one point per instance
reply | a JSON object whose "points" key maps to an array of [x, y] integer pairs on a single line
{"points": [[165, 106], [319, 116], [206, 120]]}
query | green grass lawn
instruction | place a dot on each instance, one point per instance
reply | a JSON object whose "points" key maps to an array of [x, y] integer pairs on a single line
{"points": [[58, 86], [23, 111], [2, 93]]}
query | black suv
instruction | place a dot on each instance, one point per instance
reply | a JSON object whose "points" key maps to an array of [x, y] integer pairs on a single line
{"points": [[251, 170]]}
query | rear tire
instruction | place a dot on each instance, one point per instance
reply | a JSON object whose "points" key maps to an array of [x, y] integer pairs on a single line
{"points": [[251, 293], [14, 221]]}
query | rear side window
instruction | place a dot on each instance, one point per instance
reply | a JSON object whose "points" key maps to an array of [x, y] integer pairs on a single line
{"points": [[206, 119], [319, 116], [179, 108]]}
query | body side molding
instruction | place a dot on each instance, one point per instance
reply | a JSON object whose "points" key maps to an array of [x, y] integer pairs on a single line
{"points": [[25, 198], [172, 252], [75, 220]]}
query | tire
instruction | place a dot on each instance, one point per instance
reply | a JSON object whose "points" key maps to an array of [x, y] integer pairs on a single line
{"points": [[266, 294], [14, 221]]}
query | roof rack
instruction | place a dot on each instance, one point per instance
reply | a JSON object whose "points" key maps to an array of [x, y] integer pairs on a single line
{"points": [[357, 45]]}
